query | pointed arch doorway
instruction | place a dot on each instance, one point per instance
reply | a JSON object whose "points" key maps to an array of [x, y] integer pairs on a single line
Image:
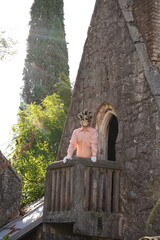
{"points": [[112, 132], [107, 126]]}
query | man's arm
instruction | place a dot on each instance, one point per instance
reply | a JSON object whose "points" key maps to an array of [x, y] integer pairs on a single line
{"points": [[72, 145]]}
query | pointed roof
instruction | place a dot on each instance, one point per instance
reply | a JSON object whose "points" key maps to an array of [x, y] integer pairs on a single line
{"points": [[4, 163]]}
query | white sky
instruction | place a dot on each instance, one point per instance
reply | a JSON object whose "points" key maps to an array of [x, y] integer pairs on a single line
{"points": [[14, 18]]}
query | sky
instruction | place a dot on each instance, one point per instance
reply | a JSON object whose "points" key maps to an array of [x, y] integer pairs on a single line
{"points": [[14, 19]]}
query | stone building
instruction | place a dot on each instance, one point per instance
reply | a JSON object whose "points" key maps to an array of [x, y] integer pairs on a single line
{"points": [[119, 81], [10, 191]]}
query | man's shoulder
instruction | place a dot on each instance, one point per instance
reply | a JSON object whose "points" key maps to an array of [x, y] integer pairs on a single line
{"points": [[76, 130], [92, 129], [94, 132]]}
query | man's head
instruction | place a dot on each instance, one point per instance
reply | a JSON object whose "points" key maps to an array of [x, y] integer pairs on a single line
{"points": [[85, 118]]}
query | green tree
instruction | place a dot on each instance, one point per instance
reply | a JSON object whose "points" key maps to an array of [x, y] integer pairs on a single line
{"points": [[6, 45], [63, 89], [47, 56], [37, 136]]}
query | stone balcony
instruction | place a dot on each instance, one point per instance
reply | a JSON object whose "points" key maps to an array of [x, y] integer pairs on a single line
{"points": [[84, 194]]}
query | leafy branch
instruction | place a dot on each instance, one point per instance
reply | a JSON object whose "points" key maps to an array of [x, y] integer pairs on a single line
{"points": [[6, 46]]}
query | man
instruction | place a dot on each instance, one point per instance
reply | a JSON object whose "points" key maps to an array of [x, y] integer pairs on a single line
{"points": [[84, 139]]}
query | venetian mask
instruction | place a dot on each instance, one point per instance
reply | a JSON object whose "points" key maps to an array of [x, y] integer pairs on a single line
{"points": [[85, 118], [84, 123]]}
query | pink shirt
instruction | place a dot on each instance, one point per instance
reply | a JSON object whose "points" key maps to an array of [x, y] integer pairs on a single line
{"points": [[85, 140]]}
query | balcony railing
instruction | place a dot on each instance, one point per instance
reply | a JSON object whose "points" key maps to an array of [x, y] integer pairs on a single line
{"points": [[85, 194]]}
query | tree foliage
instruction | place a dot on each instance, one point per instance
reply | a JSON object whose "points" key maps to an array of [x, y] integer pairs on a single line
{"points": [[37, 136], [6, 45], [47, 56], [63, 89]]}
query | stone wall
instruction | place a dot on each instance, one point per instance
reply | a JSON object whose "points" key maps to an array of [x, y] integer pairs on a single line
{"points": [[113, 71], [51, 236], [10, 191]]}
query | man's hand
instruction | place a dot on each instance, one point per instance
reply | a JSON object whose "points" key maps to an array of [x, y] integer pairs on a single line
{"points": [[93, 159], [65, 159]]}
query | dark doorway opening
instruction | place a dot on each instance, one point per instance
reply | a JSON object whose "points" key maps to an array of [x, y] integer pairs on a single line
{"points": [[112, 136]]}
